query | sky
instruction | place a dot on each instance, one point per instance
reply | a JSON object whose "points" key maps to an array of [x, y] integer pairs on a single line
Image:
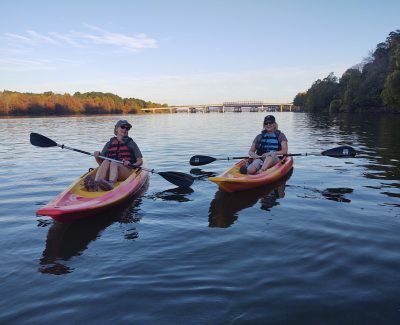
{"points": [[183, 52]]}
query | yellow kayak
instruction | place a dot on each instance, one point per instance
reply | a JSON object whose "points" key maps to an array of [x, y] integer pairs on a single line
{"points": [[77, 202], [232, 180]]}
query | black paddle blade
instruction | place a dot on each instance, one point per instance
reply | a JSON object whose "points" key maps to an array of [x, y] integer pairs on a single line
{"points": [[39, 140], [200, 160], [177, 178], [339, 152]]}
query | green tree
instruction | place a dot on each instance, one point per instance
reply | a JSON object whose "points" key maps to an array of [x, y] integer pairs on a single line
{"points": [[349, 88], [391, 93], [372, 85], [300, 100], [321, 93]]}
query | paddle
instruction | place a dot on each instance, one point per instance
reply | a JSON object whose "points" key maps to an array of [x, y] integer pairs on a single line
{"points": [[176, 178], [338, 152]]}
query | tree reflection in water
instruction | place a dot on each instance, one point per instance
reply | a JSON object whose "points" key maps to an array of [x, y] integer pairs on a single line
{"points": [[225, 206]]}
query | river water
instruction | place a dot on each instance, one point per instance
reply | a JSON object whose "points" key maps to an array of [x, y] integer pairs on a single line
{"points": [[321, 248]]}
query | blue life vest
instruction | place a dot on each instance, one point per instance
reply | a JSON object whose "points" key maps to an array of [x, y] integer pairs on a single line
{"points": [[268, 142]]}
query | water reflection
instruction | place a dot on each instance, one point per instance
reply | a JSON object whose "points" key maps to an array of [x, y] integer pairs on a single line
{"points": [[179, 194], [66, 240], [375, 136], [337, 194], [225, 206], [202, 174]]}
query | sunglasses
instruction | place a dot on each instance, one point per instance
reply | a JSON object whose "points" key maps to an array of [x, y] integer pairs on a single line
{"points": [[269, 123], [125, 127]]}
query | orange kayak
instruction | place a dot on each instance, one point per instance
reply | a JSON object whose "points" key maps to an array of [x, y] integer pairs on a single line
{"points": [[76, 202], [232, 180]]}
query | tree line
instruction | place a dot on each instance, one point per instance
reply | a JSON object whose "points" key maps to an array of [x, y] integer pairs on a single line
{"points": [[21, 104], [372, 85]]}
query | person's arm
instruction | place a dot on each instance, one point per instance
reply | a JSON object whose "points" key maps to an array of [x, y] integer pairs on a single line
{"points": [[138, 163], [137, 153], [102, 153], [96, 156], [253, 148], [284, 149], [284, 145]]}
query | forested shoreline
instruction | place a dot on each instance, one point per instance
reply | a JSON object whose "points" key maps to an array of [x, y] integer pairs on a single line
{"points": [[49, 104], [373, 85]]}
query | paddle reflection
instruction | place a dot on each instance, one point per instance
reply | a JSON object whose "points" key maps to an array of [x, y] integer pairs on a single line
{"points": [[225, 206], [66, 240], [179, 194], [202, 174], [337, 194]]}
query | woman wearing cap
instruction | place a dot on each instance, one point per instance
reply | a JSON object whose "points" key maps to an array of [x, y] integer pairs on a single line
{"points": [[266, 147], [121, 147]]}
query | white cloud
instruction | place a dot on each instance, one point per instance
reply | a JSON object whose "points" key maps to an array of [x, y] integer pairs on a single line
{"points": [[25, 65], [14, 65], [97, 36], [37, 38], [136, 42]]}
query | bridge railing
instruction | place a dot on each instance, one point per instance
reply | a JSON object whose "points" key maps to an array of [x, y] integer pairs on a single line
{"points": [[252, 106]]}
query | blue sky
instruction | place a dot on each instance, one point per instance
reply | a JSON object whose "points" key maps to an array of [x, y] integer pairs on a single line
{"points": [[187, 52]]}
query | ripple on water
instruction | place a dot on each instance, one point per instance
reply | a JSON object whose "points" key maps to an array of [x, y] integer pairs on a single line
{"points": [[325, 251]]}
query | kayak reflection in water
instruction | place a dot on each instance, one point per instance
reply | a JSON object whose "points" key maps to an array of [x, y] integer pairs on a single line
{"points": [[225, 206], [66, 240], [270, 200]]}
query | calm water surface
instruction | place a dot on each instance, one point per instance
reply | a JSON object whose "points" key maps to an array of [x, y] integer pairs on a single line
{"points": [[323, 247]]}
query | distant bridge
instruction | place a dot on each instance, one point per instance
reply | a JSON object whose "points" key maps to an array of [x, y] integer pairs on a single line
{"points": [[240, 106]]}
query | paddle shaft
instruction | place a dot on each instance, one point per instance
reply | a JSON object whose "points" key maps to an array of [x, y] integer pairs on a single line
{"points": [[284, 155], [62, 146], [177, 178], [339, 152]]}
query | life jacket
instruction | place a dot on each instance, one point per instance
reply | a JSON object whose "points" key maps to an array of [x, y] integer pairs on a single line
{"points": [[269, 142], [119, 150]]}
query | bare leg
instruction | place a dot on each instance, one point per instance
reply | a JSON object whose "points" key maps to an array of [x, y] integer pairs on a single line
{"points": [[123, 172], [103, 170], [114, 172], [269, 162], [119, 172], [254, 166]]}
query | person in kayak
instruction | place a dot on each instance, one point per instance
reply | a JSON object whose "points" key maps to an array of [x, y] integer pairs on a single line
{"points": [[266, 147], [121, 147]]}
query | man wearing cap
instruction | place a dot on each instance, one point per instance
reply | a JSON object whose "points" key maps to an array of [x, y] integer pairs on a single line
{"points": [[266, 147], [122, 148]]}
